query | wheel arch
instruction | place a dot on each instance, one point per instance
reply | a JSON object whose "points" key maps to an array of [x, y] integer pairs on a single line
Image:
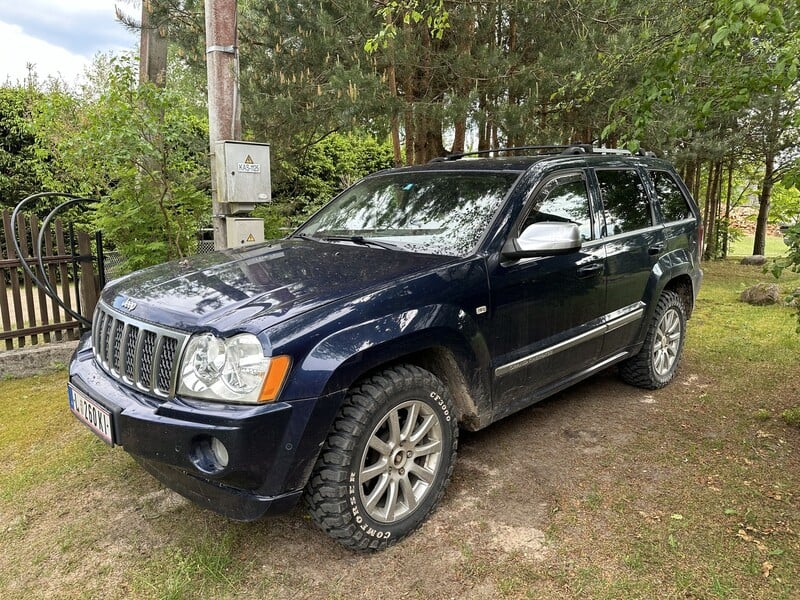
{"points": [[683, 285], [470, 395], [441, 340], [676, 272]]}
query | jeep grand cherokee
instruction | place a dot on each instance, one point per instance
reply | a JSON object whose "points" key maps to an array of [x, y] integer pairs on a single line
{"points": [[337, 364]]}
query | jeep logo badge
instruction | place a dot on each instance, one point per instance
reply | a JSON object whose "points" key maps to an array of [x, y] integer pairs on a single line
{"points": [[129, 305]]}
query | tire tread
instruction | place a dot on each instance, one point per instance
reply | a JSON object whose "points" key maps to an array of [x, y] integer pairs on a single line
{"points": [[326, 491], [638, 370]]}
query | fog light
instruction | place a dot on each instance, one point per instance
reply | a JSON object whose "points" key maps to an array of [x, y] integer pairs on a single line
{"points": [[220, 452], [209, 455]]}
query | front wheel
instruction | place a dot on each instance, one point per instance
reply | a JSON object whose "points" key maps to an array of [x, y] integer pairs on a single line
{"points": [[387, 461], [657, 362]]}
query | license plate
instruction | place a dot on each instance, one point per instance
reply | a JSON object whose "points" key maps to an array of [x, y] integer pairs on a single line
{"points": [[92, 414]]}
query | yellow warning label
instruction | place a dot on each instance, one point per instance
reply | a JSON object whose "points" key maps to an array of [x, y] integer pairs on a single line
{"points": [[248, 160], [251, 238]]}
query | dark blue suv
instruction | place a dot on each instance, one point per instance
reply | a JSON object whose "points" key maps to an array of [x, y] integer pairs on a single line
{"points": [[338, 364]]}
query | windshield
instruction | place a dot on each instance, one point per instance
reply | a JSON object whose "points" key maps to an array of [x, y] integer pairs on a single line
{"points": [[436, 213]]}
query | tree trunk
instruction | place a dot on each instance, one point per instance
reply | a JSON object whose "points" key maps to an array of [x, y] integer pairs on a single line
{"points": [[483, 125], [728, 196], [713, 196], [395, 122], [410, 130], [460, 137], [708, 224], [408, 116], [692, 178], [764, 198], [152, 49]]}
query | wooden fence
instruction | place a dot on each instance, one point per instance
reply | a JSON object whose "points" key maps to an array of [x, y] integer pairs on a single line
{"points": [[28, 315]]}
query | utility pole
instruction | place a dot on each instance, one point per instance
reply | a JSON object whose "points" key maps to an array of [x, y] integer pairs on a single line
{"points": [[222, 62]]}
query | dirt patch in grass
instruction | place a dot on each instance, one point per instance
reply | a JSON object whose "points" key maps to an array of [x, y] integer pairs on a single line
{"points": [[604, 491]]}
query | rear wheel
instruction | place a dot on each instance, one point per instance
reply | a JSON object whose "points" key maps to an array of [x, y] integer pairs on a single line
{"points": [[657, 362], [387, 461]]}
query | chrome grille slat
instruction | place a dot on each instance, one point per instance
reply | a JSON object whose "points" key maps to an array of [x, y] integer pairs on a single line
{"points": [[116, 339], [136, 353], [101, 342], [146, 363], [129, 354]]}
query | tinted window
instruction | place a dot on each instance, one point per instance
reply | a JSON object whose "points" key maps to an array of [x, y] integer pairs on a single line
{"points": [[625, 202], [563, 199], [435, 213], [671, 202]]}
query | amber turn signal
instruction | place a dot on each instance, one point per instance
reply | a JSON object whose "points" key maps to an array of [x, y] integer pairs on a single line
{"points": [[279, 367]]}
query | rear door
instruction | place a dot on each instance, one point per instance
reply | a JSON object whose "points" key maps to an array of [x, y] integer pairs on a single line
{"points": [[633, 243], [676, 213]]}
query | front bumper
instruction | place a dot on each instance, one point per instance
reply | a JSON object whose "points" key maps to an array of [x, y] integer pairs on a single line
{"points": [[271, 448]]}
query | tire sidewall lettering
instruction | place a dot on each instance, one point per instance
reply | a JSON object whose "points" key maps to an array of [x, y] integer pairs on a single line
{"points": [[361, 520], [336, 496], [439, 401]]}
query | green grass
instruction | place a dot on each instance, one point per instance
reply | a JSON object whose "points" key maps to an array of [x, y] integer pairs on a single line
{"points": [[726, 331], [37, 440], [792, 416], [204, 570], [699, 500], [743, 246]]}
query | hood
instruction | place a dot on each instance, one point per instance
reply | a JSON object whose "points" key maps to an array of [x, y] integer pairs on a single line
{"points": [[260, 285]]}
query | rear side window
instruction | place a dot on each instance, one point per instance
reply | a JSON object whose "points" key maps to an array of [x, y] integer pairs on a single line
{"points": [[672, 204], [626, 206]]}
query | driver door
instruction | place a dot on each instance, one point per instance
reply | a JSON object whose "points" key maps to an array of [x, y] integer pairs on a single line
{"points": [[547, 311]]}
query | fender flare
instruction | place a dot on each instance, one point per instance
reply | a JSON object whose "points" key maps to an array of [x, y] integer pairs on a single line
{"points": [[340, 359], [668, 268]]}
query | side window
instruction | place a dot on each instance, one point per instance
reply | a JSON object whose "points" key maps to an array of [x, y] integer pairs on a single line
{"points": [[625, 202], [672, 203], [563, 199]]}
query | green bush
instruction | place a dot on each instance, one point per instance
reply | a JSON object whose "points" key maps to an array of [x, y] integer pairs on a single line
{"points": [[791, 260], [142, 150], [792, 416]]}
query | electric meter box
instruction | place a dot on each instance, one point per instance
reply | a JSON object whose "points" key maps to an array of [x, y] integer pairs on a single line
{"points": [[242, 231], [242, 175]]}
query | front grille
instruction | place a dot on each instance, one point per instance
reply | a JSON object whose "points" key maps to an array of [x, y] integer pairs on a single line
{"points": [[139, 354]]}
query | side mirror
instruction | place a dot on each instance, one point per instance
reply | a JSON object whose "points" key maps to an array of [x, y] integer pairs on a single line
{"points": [[544, 239]]}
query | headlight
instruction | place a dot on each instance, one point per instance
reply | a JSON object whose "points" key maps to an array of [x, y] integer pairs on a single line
{"points": [[231, 370]]}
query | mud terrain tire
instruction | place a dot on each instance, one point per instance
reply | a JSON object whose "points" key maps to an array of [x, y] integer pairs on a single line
{"points": [[657, 362], [387, 460]]}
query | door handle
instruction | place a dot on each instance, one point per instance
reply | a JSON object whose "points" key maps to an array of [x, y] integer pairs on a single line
{"points": [[655, 249], [589, 270]]}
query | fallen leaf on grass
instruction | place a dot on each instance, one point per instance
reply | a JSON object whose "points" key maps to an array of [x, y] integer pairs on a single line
{"points": [[651, 517], [766, 568], [749, 538]]}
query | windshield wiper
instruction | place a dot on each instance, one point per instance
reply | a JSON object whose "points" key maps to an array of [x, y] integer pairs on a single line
{"points": [[360, 240], [305, 236]]}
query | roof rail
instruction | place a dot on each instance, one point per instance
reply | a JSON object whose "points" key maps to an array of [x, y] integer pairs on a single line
{"points": [[570, 149], [578, 149], [621, 151], [459, 155]]}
